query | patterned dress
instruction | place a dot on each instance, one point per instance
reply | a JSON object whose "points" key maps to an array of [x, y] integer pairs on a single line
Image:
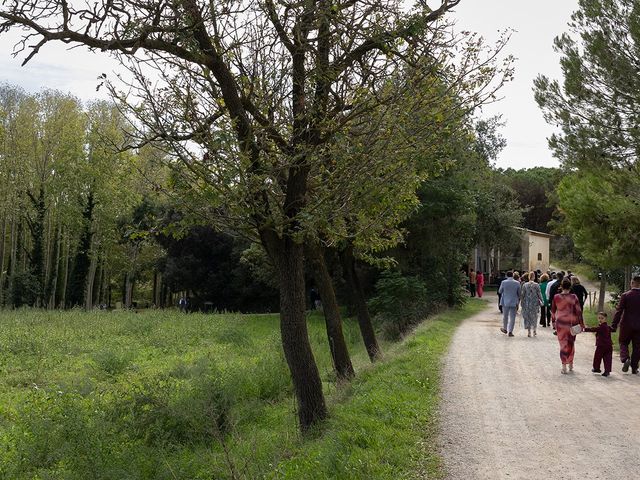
{"points": [[565, 312], [530, 301]]}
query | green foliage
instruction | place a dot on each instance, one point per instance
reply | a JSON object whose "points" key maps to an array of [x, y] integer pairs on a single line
{"points": [[400, 302], [597, 104], [157, 395], [25, 289], [536, 194], [602, 217], [111, 395]]}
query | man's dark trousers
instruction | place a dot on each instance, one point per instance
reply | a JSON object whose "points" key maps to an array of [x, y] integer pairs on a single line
{"points": [[629, 336]]}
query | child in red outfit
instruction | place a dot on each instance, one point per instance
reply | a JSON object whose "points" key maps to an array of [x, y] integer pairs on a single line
{"points": [[604, 345]]}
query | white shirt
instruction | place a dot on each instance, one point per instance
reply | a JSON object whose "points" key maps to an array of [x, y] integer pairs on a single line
{"points": [[549, 285]]}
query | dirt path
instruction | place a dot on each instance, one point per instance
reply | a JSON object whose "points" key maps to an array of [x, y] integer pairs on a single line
{"points": [[508, 413]]}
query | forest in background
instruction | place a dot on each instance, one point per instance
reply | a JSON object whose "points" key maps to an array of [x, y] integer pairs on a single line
{"points": [[85, 224]]}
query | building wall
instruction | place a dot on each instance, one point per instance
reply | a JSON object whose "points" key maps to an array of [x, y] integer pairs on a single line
{"points": [[538, 246]]}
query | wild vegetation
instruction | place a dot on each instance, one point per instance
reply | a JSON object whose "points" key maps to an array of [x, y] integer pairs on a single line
{"points": [[160, 395]]}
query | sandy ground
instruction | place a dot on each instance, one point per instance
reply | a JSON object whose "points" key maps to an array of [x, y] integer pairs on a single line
{"points": [[508, 413]]}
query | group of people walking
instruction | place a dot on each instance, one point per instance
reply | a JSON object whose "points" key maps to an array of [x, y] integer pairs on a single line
{"points": [[557, 299]]}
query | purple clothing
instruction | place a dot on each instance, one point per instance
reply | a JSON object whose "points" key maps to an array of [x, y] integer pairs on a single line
{"points": [[603, 354], [628, 316], [603, 334], [628, 310]]}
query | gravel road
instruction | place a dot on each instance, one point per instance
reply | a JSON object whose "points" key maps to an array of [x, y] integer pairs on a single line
{"points": [[508, 413]]}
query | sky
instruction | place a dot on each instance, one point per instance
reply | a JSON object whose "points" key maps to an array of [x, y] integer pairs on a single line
{"points": [[535, 25]]}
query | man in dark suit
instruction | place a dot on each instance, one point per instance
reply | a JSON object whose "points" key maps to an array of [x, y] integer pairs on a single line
{"points": [[501, 278], [628, 317]]}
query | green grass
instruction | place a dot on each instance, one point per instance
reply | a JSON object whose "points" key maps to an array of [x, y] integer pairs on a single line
{"points": [[159, 395], [584, 272]]}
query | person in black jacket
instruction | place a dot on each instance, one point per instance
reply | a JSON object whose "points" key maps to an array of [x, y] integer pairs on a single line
{"points": [[500, 280], [579, 291], [556, 287]]}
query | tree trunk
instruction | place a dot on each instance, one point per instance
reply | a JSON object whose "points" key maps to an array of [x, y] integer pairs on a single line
{"points": [[3, 242], [91, 276], [52, 284], [348, 262], [628, 271], [289, 260], [337, 344], [127, 290], [83, 261], [65, 276], [37, 228], [603, 285]]}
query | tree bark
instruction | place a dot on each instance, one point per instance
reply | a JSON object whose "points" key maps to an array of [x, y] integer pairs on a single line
{"points": [[65, 277], [128, 290], [601, 295], [350, 274], [37, 228], [628, 271], [3, 242], [83, 261], [289, 260], [337, 344], [91, 276], [13, 257], [52, 283]]}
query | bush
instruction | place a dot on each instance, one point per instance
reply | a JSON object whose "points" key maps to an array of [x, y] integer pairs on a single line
{"points": [[24, 289], [164, 410], [400, 303]]}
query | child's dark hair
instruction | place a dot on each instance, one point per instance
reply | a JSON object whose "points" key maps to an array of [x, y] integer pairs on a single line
{"points": [[604, 314]]}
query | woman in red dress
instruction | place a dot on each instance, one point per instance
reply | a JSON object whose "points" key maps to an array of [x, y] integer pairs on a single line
{"points": [[565, 313], [480, 283]]}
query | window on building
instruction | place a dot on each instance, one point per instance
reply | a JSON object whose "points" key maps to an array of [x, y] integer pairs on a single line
{"points": [[539, 257]]}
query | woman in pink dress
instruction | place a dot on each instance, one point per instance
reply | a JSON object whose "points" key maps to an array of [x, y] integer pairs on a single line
{"points": [[480, 283], [565, 313]]}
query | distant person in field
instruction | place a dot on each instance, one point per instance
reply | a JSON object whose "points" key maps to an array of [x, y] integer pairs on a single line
{"points": [[480, 283], [628, 317], [530, 301], [182, 304], [545, 308], [316, 302], [578, 289], [604, 345], [565, 313], [509, 299], [472, 282]]}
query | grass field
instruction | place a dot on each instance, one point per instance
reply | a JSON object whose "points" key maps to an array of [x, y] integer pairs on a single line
{"points": [[159, 395]]}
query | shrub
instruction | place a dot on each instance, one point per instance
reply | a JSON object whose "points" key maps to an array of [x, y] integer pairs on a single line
{"points": [[24, 289], [400, 302], [163, 410], [111, 362]]}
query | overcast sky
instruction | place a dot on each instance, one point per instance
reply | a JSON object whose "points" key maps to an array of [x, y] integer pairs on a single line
{"points": [[535, 25]]}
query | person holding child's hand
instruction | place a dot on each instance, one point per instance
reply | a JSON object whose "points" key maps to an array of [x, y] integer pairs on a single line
{"points": [[604, 345], [565, 313]]}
